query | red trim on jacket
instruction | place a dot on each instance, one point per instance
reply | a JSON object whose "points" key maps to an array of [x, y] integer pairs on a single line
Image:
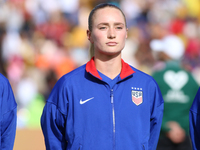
{"points": [[125, 72]]}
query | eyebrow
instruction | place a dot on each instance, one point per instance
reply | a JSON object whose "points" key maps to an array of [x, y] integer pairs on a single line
{"points": [[107, 24]]}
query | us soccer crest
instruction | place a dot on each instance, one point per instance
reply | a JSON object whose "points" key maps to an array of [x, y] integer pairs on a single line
{"points": [[137, 97]]}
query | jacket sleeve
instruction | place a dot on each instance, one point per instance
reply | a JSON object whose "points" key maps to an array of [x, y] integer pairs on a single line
{"points": [[8, 128], [194, 118], [8, 115], [157, 106], [53, 119], [53, 124]]}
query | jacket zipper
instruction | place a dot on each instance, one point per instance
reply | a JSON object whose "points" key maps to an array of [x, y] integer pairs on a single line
{"points": [[113, 116]]}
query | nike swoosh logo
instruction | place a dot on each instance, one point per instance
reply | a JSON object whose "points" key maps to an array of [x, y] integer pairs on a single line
{"points": [[83, 102]]}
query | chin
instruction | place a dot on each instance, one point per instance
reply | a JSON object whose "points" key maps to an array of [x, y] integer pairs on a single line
{"points": [[113, 53]]}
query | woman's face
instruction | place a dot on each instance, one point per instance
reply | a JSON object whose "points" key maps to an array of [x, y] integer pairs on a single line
{"points": [[109, 31]]}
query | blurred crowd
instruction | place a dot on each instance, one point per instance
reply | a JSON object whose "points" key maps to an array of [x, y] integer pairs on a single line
{"points": [[41, 40]]}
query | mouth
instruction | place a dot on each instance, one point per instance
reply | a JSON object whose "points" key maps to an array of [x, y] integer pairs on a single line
{"points": [[111, 43]]}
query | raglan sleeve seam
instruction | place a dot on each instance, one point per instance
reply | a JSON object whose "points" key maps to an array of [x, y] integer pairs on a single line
{"points": [[10, 110], [158, 88], [160, 104], [57, 108], [193, 111]]}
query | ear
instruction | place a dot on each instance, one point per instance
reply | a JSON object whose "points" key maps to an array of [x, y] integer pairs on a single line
{"points": [[126, 33], [89, 36]]}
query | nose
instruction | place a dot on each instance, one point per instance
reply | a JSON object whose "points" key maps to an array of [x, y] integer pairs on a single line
{"points": [[111, 33]]}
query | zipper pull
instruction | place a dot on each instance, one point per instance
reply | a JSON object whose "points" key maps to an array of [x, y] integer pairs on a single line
{"points": [[111, 96]]}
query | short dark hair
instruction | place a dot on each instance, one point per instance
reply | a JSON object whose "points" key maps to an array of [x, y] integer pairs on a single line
{"points": [[99, 6]]}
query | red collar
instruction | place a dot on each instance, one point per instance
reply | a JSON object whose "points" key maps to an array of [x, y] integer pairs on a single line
{"points": [[125, 72]]}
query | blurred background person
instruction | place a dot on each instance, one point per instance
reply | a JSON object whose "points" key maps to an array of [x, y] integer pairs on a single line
{"points": [[178, 88]]}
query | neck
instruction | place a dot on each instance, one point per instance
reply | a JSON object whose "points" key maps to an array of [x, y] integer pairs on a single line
{"points": [[109, 65]]}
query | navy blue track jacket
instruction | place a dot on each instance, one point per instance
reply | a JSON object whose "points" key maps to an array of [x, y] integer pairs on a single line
{"points": [[84, 113]]}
